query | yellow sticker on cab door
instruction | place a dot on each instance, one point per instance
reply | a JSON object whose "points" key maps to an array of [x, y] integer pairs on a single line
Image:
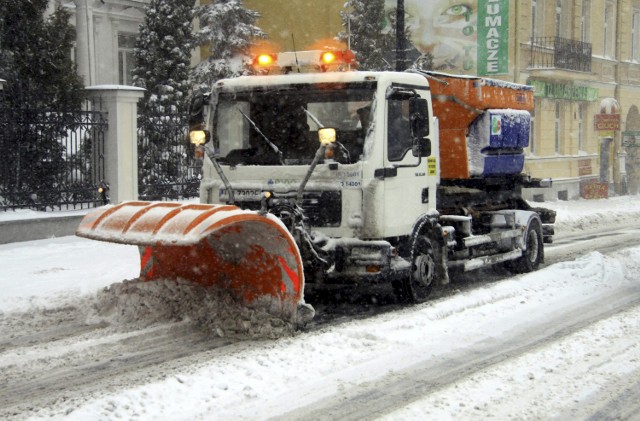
{"points": [[432, 166]]}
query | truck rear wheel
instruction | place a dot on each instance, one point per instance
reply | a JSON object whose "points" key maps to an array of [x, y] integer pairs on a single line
{"points": [[533, 252], [417, 287]]}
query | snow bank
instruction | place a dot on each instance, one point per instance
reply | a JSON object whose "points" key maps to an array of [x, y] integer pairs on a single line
{"points": [[140, 304], [594, 215]]}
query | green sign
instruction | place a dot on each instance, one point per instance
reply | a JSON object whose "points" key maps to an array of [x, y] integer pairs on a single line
{"points": [[631, 139], [493, 37], [563, 91]]}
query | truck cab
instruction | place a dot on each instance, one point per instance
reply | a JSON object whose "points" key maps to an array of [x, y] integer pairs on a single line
{"points": [[264, 130]]}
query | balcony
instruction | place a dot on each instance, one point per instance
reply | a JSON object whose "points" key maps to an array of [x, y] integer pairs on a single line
{"points": [[560, 53]]}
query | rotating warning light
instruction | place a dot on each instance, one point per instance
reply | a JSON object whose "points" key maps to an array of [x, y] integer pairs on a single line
{"points": [[265, 60], [328, 57], [304, 61]]}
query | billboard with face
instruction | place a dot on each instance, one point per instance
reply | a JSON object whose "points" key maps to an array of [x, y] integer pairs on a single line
{"points": [[468, 36]]}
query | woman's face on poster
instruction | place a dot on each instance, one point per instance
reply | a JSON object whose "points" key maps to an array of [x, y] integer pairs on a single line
{"points": [[444, 28]]}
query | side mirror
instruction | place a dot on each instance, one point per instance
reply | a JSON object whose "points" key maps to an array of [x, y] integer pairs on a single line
{"points": [[421, 147], [196, 110], [419, 112]]}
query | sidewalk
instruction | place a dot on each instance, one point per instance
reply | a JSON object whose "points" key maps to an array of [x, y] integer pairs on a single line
{"points": [[27, 225]]}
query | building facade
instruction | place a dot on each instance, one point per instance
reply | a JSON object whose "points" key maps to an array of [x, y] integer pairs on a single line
{"points": [[106, 32], [299, 23], [582, 57]]}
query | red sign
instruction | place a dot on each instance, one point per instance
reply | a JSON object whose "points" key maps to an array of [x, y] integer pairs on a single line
{"points": [[594, 190], [606, 122]]}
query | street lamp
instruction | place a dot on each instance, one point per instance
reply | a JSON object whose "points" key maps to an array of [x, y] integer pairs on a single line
{"points": [[401, 64]]}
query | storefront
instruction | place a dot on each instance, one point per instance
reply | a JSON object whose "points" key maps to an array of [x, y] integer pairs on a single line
{"points": [[563, 144]]}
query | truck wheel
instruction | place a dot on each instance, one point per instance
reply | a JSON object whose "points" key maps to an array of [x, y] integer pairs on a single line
{"points": [[534, 250], [423, 271]]}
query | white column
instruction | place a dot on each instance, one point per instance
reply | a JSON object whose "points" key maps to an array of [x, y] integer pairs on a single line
{"points": [[84, 41], [106, 62], [121, 140]]}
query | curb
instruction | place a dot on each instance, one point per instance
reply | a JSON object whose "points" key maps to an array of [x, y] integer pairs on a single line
{"points": [[38, 228]]}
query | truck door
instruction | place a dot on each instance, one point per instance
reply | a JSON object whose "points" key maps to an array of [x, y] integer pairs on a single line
{"points": [[409, 185]]}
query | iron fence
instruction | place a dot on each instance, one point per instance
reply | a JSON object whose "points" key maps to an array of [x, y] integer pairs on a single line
{"points": [[560, 53], [51, 159], [166, 165]]}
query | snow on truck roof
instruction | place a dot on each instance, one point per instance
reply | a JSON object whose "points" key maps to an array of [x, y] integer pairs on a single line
{"points": [[319, 78], [415, 77], [486, 81]]}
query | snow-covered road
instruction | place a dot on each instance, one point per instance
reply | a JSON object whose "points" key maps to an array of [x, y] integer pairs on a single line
{"points": [[559, 343]]}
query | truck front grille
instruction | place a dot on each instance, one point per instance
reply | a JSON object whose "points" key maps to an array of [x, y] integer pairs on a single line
{"points": [[323, 209]]}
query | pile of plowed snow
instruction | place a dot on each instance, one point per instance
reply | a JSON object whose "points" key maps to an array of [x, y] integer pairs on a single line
{"points": [[578, 216], [215, 310]]}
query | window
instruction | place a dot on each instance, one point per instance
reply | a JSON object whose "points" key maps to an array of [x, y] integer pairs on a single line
{"points": [[277, 125], [558, 128], [537, 21], [534, 7], [609, 29], [532, 130], [558, 18], [126, 44], [563, 19], [581, 107], [585, 21], [399, 129], [635, 29]]}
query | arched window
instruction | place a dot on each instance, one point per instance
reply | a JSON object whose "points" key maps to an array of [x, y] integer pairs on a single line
{"points": [[609, 29]]}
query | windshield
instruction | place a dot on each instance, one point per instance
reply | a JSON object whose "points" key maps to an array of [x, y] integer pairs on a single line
{"points": [[278, 125]]}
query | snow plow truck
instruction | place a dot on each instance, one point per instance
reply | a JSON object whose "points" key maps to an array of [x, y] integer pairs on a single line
{"points": [[316, 176]]}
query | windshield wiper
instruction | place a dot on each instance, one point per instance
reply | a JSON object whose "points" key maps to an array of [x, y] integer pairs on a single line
{"points": [[212, 157], [313, 117], [257, 129]]}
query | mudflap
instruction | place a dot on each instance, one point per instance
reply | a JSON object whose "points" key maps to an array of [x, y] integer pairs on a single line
{"points": [[252, 256]]}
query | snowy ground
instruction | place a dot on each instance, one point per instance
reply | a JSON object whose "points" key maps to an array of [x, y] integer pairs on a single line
{"points": [[580, 320]]}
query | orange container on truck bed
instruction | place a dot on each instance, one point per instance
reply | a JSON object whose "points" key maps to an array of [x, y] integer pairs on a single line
{"points": [[458, 101]]}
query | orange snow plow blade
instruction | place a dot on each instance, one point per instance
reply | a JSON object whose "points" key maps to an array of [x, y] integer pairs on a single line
{"points": [[252, 256]]}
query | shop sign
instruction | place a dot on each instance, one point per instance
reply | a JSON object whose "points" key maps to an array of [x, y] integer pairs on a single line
{"points": [[563, 91], [493, 37], [631, 139], [584, 167], [594, 190], [606, 122]]}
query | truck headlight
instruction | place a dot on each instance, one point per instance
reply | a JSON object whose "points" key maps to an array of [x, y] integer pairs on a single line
{"points": [[327, 136], [198, 137]]}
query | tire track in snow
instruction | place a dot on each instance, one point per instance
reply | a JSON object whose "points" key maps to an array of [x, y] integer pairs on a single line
{"points": [[398, 389], [626, 406], [41, 325], [98, 362]]}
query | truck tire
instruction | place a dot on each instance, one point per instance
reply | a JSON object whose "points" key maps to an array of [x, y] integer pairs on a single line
{"points": [[418, 285], [533, 253]]}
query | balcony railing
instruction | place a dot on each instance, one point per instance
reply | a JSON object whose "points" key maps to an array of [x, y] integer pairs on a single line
{"points": [[560, 53]]}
